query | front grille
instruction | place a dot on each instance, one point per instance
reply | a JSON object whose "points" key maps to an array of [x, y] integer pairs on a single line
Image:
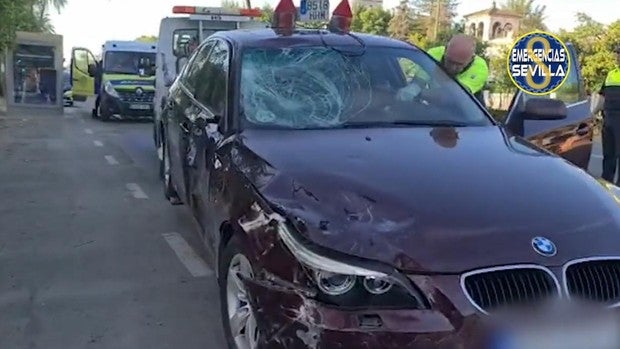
{"points": [[132, 97], [499, 288], [596, 281]]}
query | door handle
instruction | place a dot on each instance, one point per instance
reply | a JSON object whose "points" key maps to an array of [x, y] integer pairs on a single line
{"points": [[583, 130]]}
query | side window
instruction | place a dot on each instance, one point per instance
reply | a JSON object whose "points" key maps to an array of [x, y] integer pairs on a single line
{"points": [[191, 75], [572, 90], [212, 88], [83, 59], [569, 92], [181, 39], [411, 70]]}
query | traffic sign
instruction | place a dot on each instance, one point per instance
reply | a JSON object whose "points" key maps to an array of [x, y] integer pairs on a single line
{"points": [[314, 10]]}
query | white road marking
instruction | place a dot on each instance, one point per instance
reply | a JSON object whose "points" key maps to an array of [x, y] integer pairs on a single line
{"points": [[194, 264], [98, 143], [89, 131], [597, 156], [136, 191], [111, 160]]}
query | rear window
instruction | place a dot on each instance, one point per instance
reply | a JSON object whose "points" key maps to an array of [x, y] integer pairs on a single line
{"points": [[330, 87]]}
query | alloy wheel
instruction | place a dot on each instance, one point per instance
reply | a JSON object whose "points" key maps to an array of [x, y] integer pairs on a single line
{"points": [[242, 322]]}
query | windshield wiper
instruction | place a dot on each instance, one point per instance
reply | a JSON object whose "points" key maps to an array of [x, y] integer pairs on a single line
{"points": [[447, 123]]}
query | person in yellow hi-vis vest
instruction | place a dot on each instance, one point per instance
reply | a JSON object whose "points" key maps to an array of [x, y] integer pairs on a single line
{"points": [[458, 58], [611, 122]]}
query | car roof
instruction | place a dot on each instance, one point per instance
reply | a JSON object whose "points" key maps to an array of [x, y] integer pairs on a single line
{"points": [[305, 37]]}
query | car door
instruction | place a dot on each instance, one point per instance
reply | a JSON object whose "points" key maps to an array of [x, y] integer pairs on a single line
{"points": [[208, 125], [570, 138], [181, 108], [83, 70]]}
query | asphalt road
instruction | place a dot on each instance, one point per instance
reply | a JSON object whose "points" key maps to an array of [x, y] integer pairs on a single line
{"points": [[91, 254]]}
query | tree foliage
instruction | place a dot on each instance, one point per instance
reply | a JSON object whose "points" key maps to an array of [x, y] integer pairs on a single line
{"points": [[402, 23], [266, 13], [594, 43], [435, 16], [25, 15], [533, 16], [230, 4], [147, 38], [372, 20]]}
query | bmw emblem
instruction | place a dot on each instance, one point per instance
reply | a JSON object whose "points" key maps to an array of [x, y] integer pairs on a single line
{"points": [[544, 246], [139, 91]]}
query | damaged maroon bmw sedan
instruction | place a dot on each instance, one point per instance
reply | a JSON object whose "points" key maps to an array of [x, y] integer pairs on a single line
{"points": [[350, 203]]}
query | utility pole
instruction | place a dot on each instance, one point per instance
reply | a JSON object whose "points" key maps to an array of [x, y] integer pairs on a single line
{"points": [[437, 16]]}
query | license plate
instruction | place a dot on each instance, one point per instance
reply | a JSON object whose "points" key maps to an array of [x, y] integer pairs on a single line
{"points": [[140, 106], [586, 334]]}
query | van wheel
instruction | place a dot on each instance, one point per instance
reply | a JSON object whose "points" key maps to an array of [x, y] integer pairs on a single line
{"points": [[238, 320], [169, 192]]}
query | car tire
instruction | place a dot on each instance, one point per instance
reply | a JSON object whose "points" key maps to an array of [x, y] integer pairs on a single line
{"points": [[235, 294], [169, 191], [103, 115]]}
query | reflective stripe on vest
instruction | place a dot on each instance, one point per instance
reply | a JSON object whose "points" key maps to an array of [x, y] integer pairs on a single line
{"points": [[475, 74], [613, 78], [612, 92]]}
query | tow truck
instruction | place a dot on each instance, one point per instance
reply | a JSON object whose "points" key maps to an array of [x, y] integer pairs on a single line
{"points": [[179, 35], [123, 81]]}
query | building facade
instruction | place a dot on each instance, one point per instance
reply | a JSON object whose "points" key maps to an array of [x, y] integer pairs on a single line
{"points": [[494, 26]]}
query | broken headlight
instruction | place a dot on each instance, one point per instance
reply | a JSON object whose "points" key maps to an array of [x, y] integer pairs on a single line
{"points": [[349, 285]]}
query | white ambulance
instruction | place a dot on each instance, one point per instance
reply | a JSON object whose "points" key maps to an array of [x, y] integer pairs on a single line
{"points": [[180, 34]]}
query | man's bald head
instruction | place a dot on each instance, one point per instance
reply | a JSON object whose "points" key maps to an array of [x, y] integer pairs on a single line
{"points": [[460, 51]]}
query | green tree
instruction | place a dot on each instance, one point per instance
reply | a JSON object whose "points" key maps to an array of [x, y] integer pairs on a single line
{"points": [[501, 86], [436, 16], [593, 42], [230, 4], [420, 40], [26, 15], [267, 13], [373, 20], [147, 38], [402, 24], [533, 15]]}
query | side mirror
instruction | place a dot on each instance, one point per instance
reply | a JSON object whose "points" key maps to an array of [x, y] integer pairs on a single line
{"points": [[544, 109]]}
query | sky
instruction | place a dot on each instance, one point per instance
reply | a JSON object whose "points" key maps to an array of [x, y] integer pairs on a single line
{"points": [[89, 23]]}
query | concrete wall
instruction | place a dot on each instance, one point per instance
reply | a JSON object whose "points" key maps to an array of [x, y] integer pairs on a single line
{"points": [[36, 39]]}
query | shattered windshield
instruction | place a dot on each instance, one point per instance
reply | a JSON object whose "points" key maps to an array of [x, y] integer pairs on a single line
{"points": [[328, 87], [120, 62]]}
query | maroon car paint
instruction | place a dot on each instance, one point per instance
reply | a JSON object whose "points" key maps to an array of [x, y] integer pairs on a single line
{"points": [[398, 196]]}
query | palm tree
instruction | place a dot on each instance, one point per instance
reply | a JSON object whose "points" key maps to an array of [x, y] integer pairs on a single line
{"points": [[41, 9]]}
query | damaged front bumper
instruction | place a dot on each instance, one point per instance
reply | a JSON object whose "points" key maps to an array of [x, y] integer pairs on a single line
{"points": [[290, 318]]}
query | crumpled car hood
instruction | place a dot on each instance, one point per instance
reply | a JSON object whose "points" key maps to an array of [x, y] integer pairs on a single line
{"points": [[443, 200]]}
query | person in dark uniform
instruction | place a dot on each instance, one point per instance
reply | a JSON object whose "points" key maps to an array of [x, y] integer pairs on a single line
{"points": [[98, 76], [611, 122]]}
